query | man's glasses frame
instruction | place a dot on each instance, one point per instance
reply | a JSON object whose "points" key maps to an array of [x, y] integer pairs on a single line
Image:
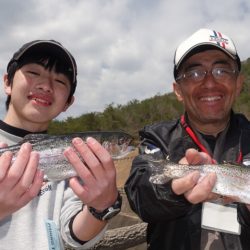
{"points": [[198, 74]]}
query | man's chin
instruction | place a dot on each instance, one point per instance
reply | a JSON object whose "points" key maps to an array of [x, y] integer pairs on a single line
{"points": [[214, 118]]}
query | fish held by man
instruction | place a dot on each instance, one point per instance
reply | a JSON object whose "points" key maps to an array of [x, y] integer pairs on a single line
{"points": [[233, 180], [51, 147]]}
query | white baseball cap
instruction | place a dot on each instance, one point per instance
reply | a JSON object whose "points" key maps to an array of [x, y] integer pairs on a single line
{"points": [[201, 39]]}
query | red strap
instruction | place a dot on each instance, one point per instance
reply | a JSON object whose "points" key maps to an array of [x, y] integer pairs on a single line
{"points": [[194, 137], [240, 158], [198, 143]]}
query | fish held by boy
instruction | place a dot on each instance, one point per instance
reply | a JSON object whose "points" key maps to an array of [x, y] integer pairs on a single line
{"points": [[233, 180], [51, 147]]}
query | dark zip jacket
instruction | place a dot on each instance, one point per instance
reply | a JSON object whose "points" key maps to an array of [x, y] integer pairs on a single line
{"points": [[173, 222]]}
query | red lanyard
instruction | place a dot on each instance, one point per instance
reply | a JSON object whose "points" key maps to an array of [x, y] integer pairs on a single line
{"points": [[198, 143]]}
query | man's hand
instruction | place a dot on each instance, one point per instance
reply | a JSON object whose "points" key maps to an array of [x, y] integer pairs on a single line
{"points": [[195, 190], [20, 181]]}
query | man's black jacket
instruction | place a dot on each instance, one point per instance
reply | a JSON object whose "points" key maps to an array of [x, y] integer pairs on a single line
{"points": [[174, 223]]}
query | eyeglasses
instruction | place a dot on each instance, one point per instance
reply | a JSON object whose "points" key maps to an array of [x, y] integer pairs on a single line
{"points": [[198, 75]]}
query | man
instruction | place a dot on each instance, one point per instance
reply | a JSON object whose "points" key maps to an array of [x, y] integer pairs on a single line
{"points": [[207, 73], [40, 83]]}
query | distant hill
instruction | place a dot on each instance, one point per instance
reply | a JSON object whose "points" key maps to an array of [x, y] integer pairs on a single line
{"points": [[135, 114], [243, 102]]}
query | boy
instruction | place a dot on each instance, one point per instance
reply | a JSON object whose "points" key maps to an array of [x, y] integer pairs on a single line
{"points": [[40, 83]]}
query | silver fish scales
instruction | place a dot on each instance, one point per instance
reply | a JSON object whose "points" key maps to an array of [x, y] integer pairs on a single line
{"points": [[233, 180], [51, 148]]}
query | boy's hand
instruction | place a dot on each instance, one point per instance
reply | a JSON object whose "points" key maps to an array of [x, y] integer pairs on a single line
{"points": [[97, 171], [20, 181]]}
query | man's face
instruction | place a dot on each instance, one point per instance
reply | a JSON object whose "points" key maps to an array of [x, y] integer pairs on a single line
{"points": [[208, 100], [38, 95]]}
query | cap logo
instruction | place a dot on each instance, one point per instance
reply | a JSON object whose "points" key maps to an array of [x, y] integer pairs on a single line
{"points": [[217, 37]]}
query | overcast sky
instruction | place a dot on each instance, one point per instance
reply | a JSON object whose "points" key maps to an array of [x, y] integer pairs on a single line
{"points": [[124, 48]]}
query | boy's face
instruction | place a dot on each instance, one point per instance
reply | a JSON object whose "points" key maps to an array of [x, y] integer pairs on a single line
{"points": [[37, 95]]}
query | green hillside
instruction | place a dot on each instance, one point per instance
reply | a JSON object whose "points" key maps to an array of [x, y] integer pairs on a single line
{"points": [[243, 103], [135, 114]]}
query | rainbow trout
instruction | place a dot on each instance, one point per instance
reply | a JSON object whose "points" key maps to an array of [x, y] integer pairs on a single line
{"points": [[51, 147], [232, 180]]}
